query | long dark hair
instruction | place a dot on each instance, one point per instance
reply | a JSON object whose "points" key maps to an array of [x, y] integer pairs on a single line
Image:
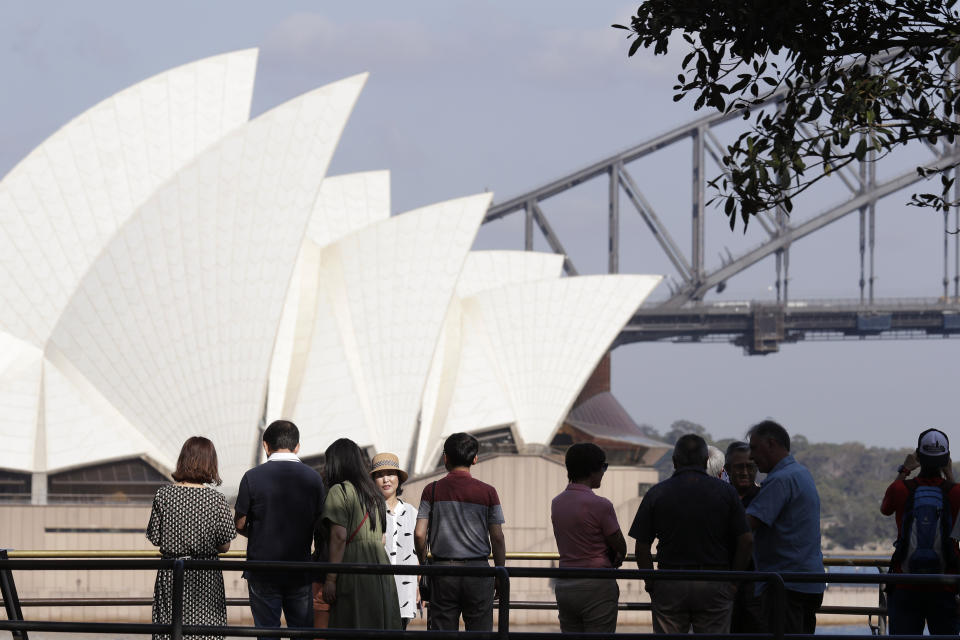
{"points": [[343, 461]]}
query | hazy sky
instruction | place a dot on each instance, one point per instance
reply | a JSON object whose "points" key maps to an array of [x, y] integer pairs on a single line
{"points": [[504, 96]]}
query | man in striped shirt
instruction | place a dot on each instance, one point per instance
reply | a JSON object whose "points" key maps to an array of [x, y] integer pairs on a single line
{"points": [[465, 528]]}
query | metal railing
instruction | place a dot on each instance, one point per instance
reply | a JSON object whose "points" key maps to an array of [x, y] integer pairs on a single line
{"points": [[177, 629]]}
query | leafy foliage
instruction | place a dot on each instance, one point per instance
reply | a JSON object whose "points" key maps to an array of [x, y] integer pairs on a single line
{"points": [[852, 79]]}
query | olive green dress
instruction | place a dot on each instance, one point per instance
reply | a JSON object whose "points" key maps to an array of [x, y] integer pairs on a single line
{"points": [[363, 601]]}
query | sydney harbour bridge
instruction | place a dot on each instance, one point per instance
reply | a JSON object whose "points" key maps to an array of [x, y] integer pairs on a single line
{"points": [[758, 327]]}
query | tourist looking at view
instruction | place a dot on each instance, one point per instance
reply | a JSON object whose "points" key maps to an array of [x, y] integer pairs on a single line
{"points": [[278, 509], [933, 493], [785, 518], [355, 514], [700, 525], [464, 529], [588, 536], [190, 519]]}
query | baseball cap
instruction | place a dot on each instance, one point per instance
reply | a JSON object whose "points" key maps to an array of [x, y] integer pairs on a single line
{"points": [[933, 447]]}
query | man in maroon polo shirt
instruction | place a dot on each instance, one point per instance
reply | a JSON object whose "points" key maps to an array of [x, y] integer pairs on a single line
{"points": [[466, 528]]}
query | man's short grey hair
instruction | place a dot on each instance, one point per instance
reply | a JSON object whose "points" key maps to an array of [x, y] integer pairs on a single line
{"points": [[736, 447], [772, 430], [715, 461]]}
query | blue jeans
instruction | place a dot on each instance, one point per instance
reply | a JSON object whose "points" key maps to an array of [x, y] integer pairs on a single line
{"points": [[268, 599], [908, 610]]}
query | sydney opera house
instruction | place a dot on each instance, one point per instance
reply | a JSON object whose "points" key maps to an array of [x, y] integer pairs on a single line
{"points": [[171, 267]]}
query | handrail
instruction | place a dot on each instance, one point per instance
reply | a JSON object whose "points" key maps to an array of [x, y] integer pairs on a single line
{"points": [[176, 629], [504, 574], [829, 561]]}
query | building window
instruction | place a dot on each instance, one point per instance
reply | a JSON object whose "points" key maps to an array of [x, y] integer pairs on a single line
{"points": [[15, 486], [123, 481]]}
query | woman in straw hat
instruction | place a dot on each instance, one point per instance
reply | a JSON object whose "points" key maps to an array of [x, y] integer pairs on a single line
{"points": [[401, 521]]}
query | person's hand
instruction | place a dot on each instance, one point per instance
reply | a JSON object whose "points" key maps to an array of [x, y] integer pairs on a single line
{"points": [[911, 462], [496, 588], [330, 591]]}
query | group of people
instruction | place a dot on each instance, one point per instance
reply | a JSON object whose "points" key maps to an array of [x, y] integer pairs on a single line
{"points": [[700, 523], [353, 513], [705, 517]]}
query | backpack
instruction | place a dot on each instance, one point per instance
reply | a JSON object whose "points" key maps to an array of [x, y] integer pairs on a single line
{"points": [[924, 545]]}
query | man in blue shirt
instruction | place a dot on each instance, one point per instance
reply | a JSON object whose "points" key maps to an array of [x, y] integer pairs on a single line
{"points": [[785, 518]]}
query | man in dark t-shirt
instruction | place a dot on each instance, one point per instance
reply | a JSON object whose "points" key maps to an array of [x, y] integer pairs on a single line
{"points": [[701, 525], [278, 509]]}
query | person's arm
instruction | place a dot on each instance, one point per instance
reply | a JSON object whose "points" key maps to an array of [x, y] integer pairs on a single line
{"points": [[240, 521], [644, 562], [896, 493], [242, 506], [497, 545], [753, 522], [498, 548], [338, 543], [741, 557], [420, 540], [224, 529], [618, 544]]}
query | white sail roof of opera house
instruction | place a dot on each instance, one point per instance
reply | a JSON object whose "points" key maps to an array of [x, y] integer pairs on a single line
{"points": [[171, 268]]}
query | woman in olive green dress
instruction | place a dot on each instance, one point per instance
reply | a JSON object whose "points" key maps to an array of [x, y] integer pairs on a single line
{"points": [[356, 516]]}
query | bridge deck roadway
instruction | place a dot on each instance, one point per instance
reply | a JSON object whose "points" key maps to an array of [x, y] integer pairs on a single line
{"points": [[760, 327]]}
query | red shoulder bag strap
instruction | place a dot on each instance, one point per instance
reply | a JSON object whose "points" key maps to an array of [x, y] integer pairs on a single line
{"points": [[357, 530]]}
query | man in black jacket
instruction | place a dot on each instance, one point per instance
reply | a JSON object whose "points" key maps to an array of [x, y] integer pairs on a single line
{"points": [[278, 508], [701, 525]]}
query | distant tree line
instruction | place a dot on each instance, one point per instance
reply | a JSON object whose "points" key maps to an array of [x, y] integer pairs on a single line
{"points": [[851, 478]]}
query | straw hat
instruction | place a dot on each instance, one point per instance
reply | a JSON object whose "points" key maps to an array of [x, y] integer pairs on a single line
{"points": [[384, 461]]}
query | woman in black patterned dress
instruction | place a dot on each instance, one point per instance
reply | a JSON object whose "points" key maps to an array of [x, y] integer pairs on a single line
{"points": [[192, 520]]}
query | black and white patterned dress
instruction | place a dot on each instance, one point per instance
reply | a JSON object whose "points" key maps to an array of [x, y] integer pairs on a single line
{"points": [[190, 522], [399, 544]]}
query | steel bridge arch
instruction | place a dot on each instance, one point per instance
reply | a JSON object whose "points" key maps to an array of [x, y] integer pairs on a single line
{"points": [[695, 280]]}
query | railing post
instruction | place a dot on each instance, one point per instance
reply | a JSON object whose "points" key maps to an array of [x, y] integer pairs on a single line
{"points": [[503, 608], [779, 605], [11, 601], [176, 608]]}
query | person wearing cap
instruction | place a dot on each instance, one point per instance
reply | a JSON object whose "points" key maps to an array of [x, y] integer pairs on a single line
{"points": [[785, 518], [401, 523], [909, 607]]}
